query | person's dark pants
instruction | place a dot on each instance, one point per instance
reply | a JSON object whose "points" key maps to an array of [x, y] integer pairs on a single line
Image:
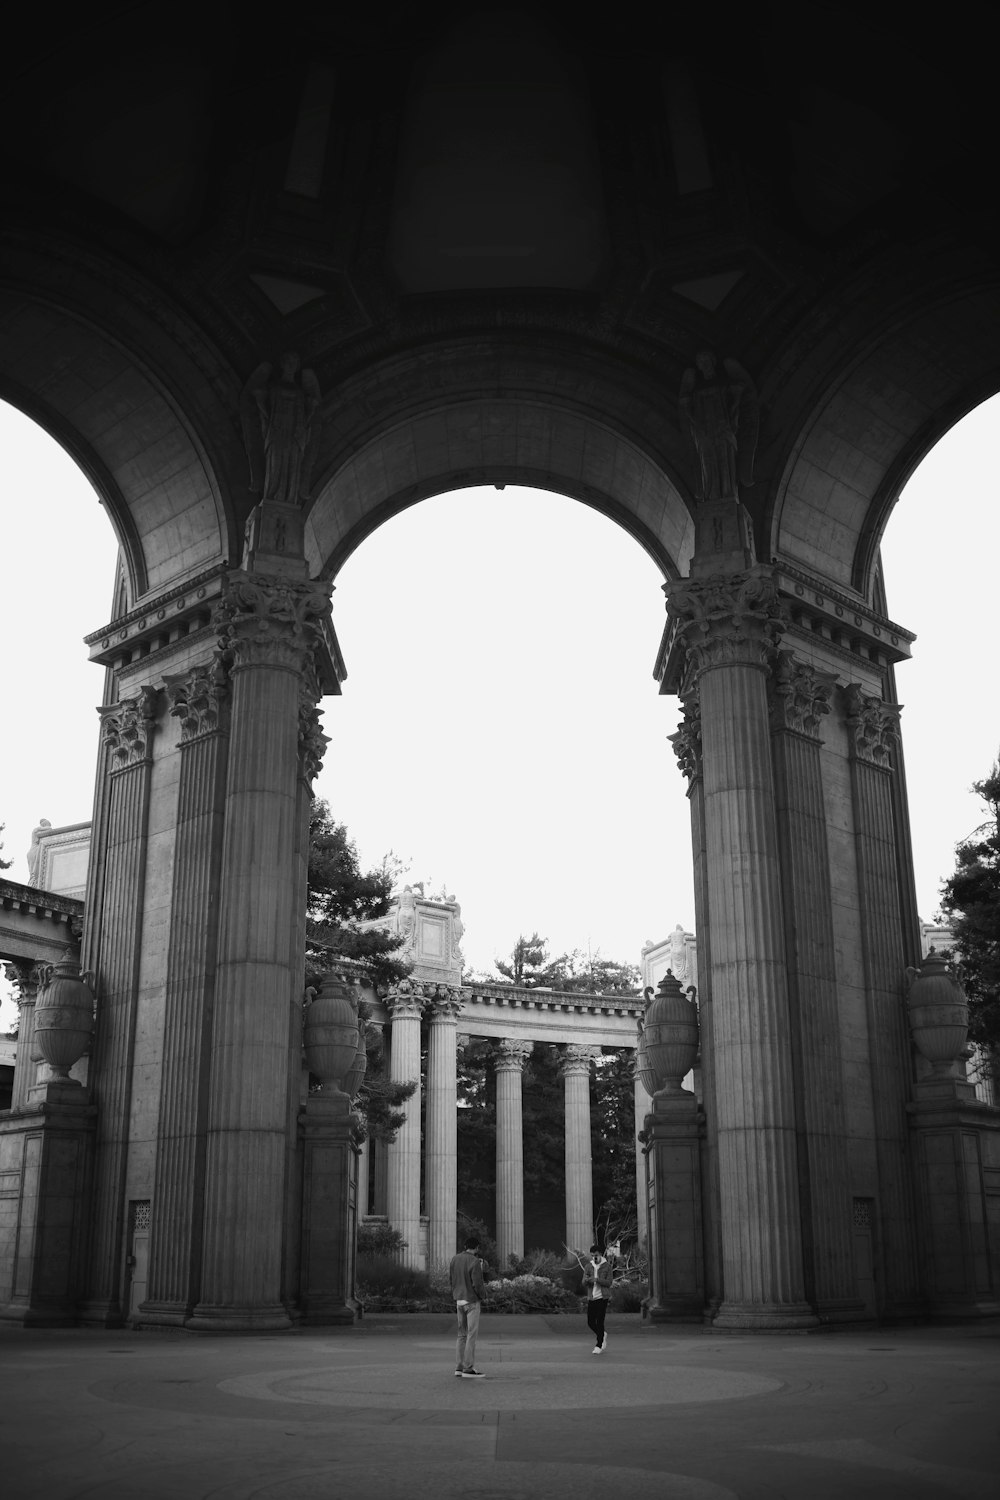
{"points": [[597, 1311]]}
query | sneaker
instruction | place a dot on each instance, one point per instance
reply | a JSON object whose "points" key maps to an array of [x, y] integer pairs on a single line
{"points": [[471, 1374], [460, 1371], [598, 1350]]}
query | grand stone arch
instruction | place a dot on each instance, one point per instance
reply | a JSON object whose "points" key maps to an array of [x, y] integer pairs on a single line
{"points": [[717, 281]]}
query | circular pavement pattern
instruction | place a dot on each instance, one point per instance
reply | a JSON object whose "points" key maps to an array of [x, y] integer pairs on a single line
{"points": [[510, 1385], [465, 1480]]}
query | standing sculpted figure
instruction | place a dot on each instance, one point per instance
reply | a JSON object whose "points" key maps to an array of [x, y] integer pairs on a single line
{"points": [[720, 407], [277, 412], [35, 852]]}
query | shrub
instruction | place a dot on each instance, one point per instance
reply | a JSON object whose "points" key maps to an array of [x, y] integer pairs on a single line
{"points": [[378, 1238], [386, 1286], [528, 1294], [488, 1252], [536, 1263], [627, 1296]]}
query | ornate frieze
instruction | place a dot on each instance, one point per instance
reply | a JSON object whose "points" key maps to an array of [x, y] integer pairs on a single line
{"points": [[687, 740], [511, 1054], [874, 725], [728, 619], [265, 621], [127, 728], [800, 695], [196, 698], [576, 1060]]}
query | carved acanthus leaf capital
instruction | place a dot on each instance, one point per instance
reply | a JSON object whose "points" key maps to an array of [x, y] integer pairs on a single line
{"points": [[26, 978], [874, 725], [687, 739], [312, 740], [800, 695], [728, 619], [576, 1060], [446, 1007], [406, 1000], [196, 698], [127, 728], [511, 1054], [264, 621]]}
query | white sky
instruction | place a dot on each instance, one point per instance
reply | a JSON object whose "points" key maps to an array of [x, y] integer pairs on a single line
{"points": [[500, 728]]}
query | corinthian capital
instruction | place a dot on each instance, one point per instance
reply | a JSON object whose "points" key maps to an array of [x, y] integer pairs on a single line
{"points": [[511, 1055], [312, 740], [874, 725], [446, 1007], [576, 1060], [687, 740], [800, 695], [729, 619], [196, 699], [405, 1001], [127, 728], [266, 621]]}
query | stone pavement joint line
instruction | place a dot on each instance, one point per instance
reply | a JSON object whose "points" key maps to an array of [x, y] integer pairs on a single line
{"points": [[375, 1411]]}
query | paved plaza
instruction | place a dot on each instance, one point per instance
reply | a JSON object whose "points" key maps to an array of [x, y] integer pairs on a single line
{"points": [[375, 1412]]}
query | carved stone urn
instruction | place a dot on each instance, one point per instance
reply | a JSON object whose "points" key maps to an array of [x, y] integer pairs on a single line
{"points": [[670, 1035], [64, 1016], [939, 1014], [355, 1074], [330, 1033], [643, 1069]]}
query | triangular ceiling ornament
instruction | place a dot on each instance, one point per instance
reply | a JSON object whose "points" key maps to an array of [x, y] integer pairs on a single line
{"points": [[708, 291], [287, 296]]}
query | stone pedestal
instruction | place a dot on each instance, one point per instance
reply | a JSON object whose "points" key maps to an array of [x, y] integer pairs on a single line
{"points": [[674, 1130], [441, 1130], [510, 1060], [575, 1069], [956, 1143], [46, 1160], [329, 1210], [402, 1190]]}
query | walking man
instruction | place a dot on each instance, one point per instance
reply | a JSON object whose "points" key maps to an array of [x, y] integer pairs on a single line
{"points": [[467, 1288], [597, 1281]]}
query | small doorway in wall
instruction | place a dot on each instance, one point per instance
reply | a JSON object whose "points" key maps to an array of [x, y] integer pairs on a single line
{"points": [[138, 1254], [864, 1254]]}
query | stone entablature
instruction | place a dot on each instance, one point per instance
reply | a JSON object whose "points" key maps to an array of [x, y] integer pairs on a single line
{"points": [[36, 925]]}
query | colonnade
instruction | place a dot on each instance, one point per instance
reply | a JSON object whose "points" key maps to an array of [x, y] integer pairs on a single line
{"points": [[444, 1009]]}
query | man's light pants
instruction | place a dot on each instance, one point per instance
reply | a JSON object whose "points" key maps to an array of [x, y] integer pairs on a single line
{"points": [[468, 1332]]}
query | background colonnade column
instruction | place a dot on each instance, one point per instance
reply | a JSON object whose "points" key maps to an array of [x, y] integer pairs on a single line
{"points": [[402, 1193], [511, 1056], [441, 1149], [575, 1069]]}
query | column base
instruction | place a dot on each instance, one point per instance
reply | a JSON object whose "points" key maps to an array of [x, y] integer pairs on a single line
{"points": [[162, 1315], [330, 1314], [765, 1317], [672, 1310], [103, 1314], [37, 1315], [843, 1310], [208, 1319]]}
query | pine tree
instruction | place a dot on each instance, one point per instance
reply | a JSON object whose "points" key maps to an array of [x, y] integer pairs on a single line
{"points": [[971, 898]]}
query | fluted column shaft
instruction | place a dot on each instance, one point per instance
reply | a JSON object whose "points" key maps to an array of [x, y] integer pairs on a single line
{"points": [[25, 976], [873, 727], [127, 729], [641, 1195], [575, 1068], [729, 625], [511, 1057], [197, 701], [800, 697], [402, 1189], [441, 1130], [268, 633]]}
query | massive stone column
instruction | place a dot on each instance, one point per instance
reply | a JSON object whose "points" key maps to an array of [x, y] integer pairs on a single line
{"points": [[402, 1191], [575, 1069], [197, 700], [118, 895], [641, 1193], [801, 696], [511, 1055], [441, 1128], [270, 629], [873, 727], [726, 626]]}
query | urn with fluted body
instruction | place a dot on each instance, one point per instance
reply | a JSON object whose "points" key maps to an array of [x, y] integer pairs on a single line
{"points": [[670, 1035], [939, 1014], [330, 1033], [64, 1015]]}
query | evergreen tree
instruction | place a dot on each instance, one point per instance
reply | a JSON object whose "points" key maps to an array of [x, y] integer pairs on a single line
{"points": [[971, 898], [342, 897], [5, 864]]}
